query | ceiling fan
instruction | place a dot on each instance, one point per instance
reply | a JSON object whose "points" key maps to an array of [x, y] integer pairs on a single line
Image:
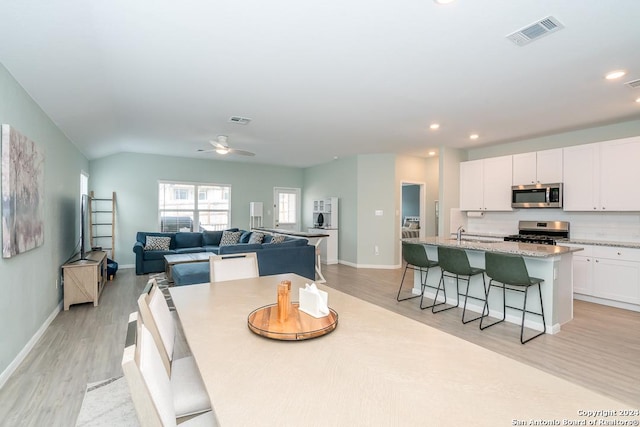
{"points": [[221, 146]]}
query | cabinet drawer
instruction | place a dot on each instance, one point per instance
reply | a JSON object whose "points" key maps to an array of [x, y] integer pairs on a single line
{"points": [[626, 254]]}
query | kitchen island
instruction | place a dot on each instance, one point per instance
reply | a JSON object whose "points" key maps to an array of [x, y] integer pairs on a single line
{"points": [[551, 263]]}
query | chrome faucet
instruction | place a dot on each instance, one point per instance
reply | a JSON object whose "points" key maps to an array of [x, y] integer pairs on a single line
{"points": [[459, 233]]}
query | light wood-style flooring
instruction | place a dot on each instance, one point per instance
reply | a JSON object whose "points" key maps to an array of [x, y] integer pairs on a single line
{"points": [[599, 349]]}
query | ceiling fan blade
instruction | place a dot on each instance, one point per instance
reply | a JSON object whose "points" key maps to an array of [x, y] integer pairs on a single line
{"points": [[241, 152]]}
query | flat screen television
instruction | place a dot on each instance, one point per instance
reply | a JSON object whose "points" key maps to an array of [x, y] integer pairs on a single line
{"points": [[85, 238]]}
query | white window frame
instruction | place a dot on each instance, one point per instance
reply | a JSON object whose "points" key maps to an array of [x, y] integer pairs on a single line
{"points": [[194, 209]]}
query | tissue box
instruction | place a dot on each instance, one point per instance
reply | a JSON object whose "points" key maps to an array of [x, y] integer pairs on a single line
{"points": [[312, 301]]}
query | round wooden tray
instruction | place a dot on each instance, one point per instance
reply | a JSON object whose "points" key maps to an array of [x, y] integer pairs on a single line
{"points": [[298, 326]]}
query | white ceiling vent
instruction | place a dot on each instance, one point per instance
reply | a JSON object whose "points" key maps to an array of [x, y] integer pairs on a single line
{"points": [[239, 120], [535, 31], [634, 84]]}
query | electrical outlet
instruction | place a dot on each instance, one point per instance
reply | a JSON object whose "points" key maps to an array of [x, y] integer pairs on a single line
{"points": [[56, 283], [375, 250]]}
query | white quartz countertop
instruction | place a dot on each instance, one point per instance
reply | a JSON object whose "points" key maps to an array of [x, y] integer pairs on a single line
{"points": [[573, 241], [516, 248], [603, 243]]}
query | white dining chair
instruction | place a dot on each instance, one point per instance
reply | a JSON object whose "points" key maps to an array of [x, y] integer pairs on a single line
{"points": [[151, 389], [233, 266], [190, 395]]}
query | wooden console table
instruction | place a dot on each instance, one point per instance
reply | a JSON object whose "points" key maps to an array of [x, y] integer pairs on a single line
{"points": [[84, 279]]}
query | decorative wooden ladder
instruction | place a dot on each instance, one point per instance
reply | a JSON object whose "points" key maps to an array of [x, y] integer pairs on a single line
{"points": [[102, 222]]}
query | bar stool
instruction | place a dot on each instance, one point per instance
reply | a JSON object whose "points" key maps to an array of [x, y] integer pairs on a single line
{"points": [[511, 274], [416, 258], [454, 263]]}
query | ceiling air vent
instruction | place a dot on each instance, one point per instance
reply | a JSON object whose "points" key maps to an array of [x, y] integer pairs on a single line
{"points": [[633, 84], [536, 30], [239, 120]]}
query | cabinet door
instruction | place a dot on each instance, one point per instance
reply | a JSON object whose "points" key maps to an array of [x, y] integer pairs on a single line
{"points": [[524, 169], [617, 280], [582, 276], [471, 186], [549, 166], [620, 175], [581, 188], [497, 183]]}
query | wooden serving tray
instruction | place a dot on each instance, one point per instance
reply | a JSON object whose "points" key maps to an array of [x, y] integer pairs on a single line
{"points": [[298, 326]]}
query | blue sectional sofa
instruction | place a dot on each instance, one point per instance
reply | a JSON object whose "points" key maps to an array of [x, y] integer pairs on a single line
{"points": [[290, 256]]}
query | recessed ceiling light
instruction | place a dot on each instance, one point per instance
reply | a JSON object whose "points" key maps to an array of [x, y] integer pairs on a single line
{"points": [[615, 74], [474, 136], [638, 100], [434, 126], [444, 1], [432, 153]]}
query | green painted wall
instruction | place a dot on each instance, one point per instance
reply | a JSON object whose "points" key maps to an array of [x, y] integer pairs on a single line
{"points": [[27, 285], [134, 178], [335, 179], [377, 191]]}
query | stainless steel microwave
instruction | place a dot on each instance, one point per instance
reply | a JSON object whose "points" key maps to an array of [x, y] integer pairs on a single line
{"points": [[536, 196]]}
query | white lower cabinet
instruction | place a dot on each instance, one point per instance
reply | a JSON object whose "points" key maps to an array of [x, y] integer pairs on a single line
{"points": [[608, 274], [329, 246]]}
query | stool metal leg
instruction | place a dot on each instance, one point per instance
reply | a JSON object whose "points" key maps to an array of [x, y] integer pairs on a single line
{"points": [[402, 282], [444, 290], [544, 325], [466, 297], [486, 304], [435, 303]]}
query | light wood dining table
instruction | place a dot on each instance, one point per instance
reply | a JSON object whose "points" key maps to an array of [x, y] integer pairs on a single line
{"points": [[377, 368]]}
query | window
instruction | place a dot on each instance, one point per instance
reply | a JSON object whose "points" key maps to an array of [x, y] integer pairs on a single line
{"points": [[180, 211]]}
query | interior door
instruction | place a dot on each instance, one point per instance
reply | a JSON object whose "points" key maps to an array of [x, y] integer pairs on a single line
{"points": [[286, 208]]}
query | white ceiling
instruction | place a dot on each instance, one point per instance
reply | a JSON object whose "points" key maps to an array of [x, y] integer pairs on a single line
{"points": [[318, 78]]}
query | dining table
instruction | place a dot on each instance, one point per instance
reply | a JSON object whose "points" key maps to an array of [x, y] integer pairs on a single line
{"points": [[376, 368]]}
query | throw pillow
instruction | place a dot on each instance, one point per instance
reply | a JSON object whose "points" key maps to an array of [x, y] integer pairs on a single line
{"points": [[256, 238], [230, 238], [157, 243], [278, 238]]}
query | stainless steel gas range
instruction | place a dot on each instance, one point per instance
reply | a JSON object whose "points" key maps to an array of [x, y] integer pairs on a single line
{"points": [[541, 232]]}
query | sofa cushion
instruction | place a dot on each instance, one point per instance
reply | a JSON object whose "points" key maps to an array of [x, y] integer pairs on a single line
{"points": [[239, 248], [193, 250], [211, 238], [288, 243], [157, 255], [157, 243], [230, 238], [188, 240], [256, 238], [278, 238], [244, 238]]}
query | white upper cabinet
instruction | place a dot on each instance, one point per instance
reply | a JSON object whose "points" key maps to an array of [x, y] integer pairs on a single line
{"points": [[485, 185], [602, 176], [542, 167], [620, 174]]}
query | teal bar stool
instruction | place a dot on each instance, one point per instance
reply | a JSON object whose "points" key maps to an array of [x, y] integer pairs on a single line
{"points": [[416, 258], [510, 273], [454, 263]]}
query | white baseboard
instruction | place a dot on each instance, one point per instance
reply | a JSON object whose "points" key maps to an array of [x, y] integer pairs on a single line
{"points": [[27, 348], [378, 266]]}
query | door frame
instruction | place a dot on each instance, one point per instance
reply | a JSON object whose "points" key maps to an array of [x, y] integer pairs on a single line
{"points": [[298, 193]]}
